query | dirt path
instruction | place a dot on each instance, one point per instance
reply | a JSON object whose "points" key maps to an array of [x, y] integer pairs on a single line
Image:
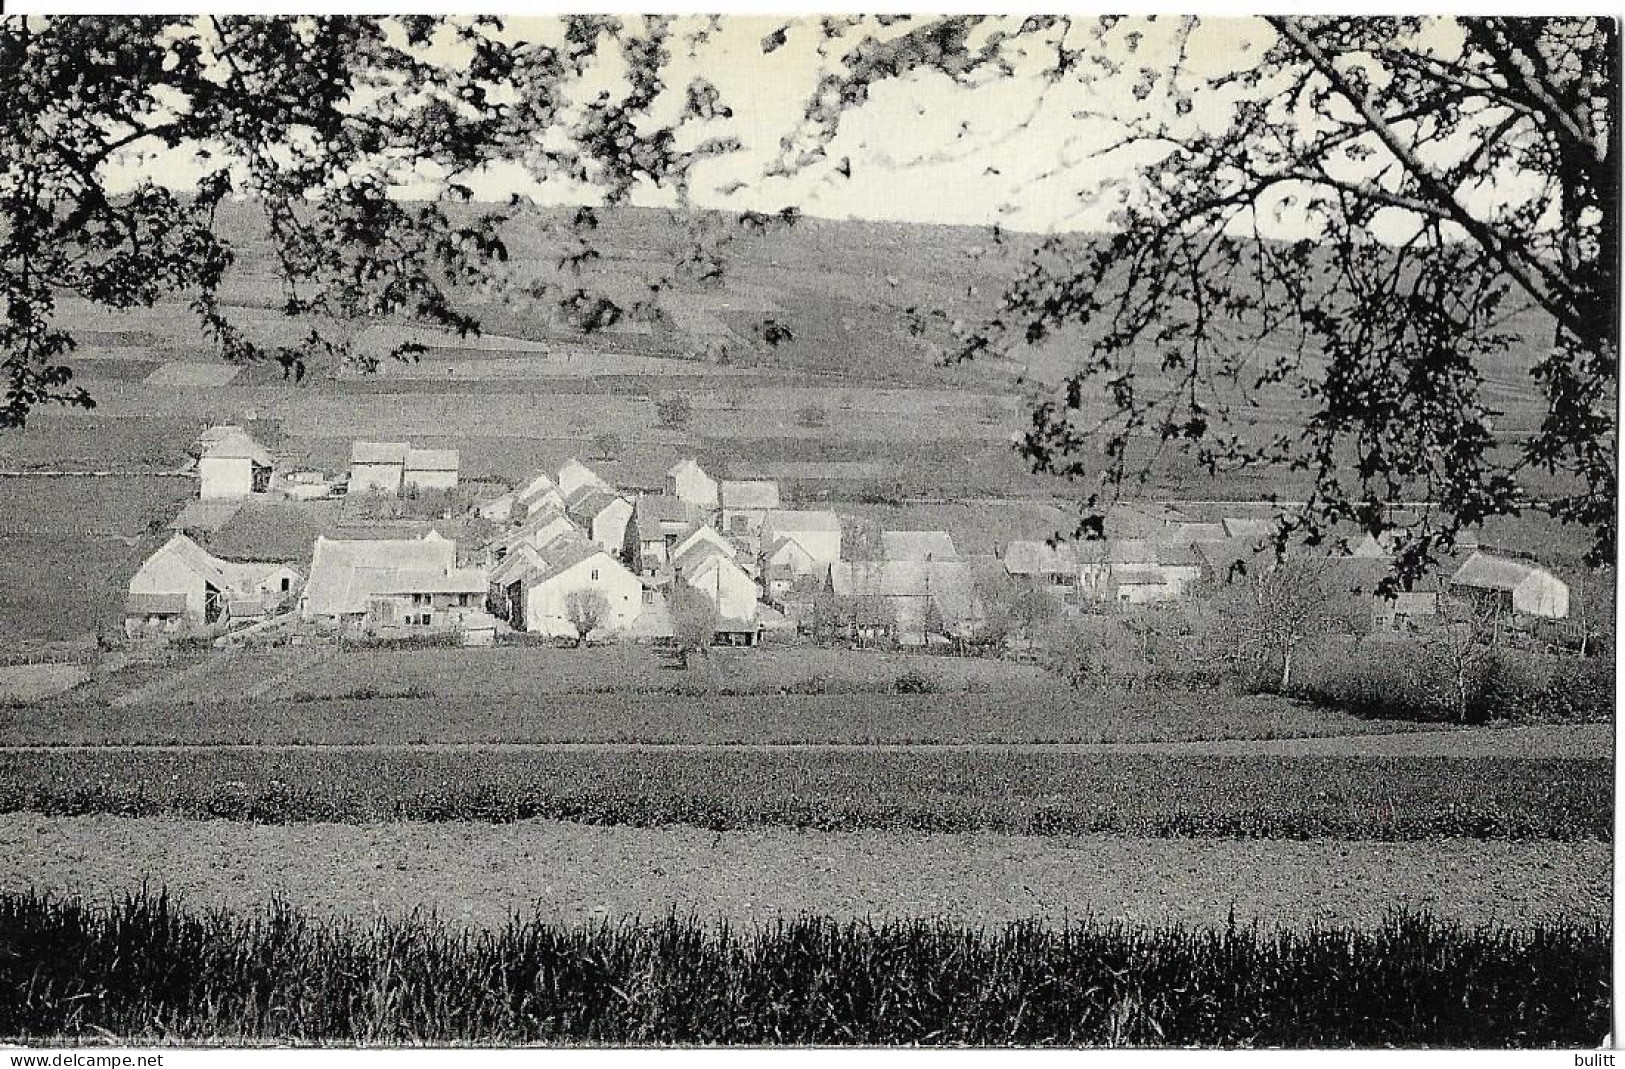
{"points": [[478, 873], [1559, 740]]}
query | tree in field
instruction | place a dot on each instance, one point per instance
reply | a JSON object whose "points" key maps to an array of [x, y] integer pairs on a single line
{"points": [[1263, 620], [606, 445], [1459, 648], [675, 411], [1096, 650], [587, 611], [693, 621]]}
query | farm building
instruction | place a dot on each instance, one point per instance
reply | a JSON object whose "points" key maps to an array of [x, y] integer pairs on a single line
{"points": [[745, 505], [918, 600], [533, 588], [717, 576], [573, 475], [390, 586], [917, 546], [498, 509], [687, 481], [1362, 575], [183, 586], [232, 464], [700, 538], [539, 493], [377, 467], [786, 561], [1070, 570], [1141, 571], [602, 514], [658, 523], [1241, 527], [431, 469], [537, 532], [817, 532], [1142, 519], [1512, 586]]}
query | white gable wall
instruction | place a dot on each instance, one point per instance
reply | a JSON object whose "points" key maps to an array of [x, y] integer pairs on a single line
{"points": [[545, 609], [225, 477]]}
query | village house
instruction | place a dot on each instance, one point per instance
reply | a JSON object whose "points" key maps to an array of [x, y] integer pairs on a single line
{"points": [[1142, 571], [713, 571], [387, 467], [687, 481], [785, 563], [1511, 586], [919, 600], [182, 586], [539, 493], [573, 475], [1071, 571], [377, 467], [431, 469], [533, 587], [917, 546], [537, 531], [745, 504], [231, 464], [602, 514], [817, 532], [658, 523], [391, 587]]}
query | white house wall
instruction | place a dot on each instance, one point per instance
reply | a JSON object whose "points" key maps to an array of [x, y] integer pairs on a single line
{"points": [[431, 480], [221, 478], [546, 611], [375, 478]]}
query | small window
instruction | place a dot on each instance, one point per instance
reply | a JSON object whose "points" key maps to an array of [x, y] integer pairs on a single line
{"points": [[595, 575], [426, 618], [285, 584]]}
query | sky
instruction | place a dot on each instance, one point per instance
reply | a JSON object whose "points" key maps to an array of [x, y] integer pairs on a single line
{"points": [[1014, 150]]}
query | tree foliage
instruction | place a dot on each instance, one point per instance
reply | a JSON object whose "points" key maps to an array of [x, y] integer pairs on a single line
{"points": [[694, 620]]}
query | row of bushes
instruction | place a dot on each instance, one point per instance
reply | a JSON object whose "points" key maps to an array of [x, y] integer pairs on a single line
{"points": [[1406, 680], [1145, 796]]}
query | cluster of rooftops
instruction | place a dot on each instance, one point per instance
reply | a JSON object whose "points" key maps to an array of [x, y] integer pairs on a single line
{"points": [[732, 541]]}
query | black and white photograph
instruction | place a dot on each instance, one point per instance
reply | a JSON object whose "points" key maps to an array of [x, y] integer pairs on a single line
{"points": [[808, 531]]}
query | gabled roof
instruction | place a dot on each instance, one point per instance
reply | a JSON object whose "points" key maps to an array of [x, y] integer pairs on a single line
{"points": [[783, 543], [1141, 519], [1178, 555], [749, 494], [917, 546], [1482, 571], [704, 533], [783, 520], [687, 464], [574, 467], [654, 511], [1041, 558], [451, 581], [590, 502], [539, 484], [195, 557], [431, 460], [235, 444], [155, 605], [562, 556], [1127, 551], [378, 453], [345, 573], [696, 552], [1239, 527]]}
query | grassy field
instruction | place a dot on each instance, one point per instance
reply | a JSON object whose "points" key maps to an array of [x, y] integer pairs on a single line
{"points": [[381, 710], [1388, 799], [152, 972]]}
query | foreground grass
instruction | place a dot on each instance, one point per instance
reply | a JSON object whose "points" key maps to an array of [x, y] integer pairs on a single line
{"points": [[144, 971], [1022, 793]]}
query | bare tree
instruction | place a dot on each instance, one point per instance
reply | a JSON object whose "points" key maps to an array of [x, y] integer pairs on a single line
{"points": [[587, 610], [694, 621], [1461, 646], [1265, 618]]}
